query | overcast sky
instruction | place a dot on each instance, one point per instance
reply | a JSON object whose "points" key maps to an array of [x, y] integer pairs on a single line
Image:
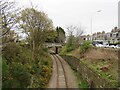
{"points": [[79, 12]]}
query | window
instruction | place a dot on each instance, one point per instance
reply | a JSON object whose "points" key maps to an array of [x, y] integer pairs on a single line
{"points": [[116, 34], [111, 35]]}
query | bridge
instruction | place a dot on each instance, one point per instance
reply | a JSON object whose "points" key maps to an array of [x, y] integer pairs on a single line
{"points": [[56, 47], [53, 44]]}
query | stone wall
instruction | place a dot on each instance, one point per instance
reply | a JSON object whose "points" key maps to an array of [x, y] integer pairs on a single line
{"points": [[94, 80]]}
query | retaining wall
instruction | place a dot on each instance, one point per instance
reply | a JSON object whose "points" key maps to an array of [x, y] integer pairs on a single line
{"points": [[94, 79]]}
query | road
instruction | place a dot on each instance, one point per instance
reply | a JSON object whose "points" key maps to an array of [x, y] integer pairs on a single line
{"points": [[62, 75]]}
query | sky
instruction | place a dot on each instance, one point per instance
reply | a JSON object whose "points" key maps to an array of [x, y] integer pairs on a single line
{"points": [[78, 12]]}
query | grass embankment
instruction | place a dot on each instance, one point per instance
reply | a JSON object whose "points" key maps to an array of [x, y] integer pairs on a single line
{"points": [[19, 70], [103, 61], [81, 83]]}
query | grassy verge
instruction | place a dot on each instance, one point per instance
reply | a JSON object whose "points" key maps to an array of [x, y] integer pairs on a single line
{"points": [[106, 75], [102, 62], [81, 83], [105, 66]]}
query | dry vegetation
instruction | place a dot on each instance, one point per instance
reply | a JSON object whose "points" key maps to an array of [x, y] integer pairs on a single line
{"points": [[101, 53], [102, 60]]}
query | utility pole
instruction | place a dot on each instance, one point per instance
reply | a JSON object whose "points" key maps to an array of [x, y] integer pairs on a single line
{"points": [[92, 21]]}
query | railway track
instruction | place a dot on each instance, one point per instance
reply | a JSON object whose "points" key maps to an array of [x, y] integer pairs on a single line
{"points": [[61, 81], [62, 76]]}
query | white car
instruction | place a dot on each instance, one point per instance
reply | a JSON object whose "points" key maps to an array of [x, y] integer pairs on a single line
{"points": [[112, 46], [105, 45], [99, 45], [117, 46]]}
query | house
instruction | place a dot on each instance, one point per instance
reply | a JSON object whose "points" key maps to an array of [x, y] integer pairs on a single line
{"points": [[112, 37]]}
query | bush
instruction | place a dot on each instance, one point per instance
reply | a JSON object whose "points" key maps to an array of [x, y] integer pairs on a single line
{"points": [[21, 74], [5, 70], [11, 83], [83, 85], [86, 45], [45, 49], [70, 48], [8, 81], [35, 69], [11, 51], [19, 70], [71, 45]]}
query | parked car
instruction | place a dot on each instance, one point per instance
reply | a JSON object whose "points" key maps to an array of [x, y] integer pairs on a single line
{"points": [[118, 46], [99, 45], [112, 46], [105, 45]]}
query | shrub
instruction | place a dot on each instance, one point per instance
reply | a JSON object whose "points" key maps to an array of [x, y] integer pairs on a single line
{"points": [[11, 83], [70, 48], [63, 51], [72, 44], [86, 45], [19, 70], [83, 85], [11, 51], [45, 49], [5, 70], [35, 69], [21, 74], [7, 80]]}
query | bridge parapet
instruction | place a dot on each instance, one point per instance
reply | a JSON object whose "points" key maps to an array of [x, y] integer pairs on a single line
{"points": [[56, 47], [53, 45]]}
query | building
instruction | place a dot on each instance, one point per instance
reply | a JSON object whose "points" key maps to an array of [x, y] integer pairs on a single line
{"points": [[99, 36], [112, 37], [84, 38]]}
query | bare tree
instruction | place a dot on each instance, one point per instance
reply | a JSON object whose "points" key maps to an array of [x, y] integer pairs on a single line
{"points": [[79, 31], [71, 29], [75, 30], [74, 35], [7, 16]]}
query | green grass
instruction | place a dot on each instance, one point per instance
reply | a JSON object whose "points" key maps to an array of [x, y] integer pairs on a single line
{"points": [[81, 83], [96, 67], [63, 51], [96, 64]]}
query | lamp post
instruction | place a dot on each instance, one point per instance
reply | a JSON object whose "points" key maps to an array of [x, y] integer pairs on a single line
{"points": [[91, 21]]}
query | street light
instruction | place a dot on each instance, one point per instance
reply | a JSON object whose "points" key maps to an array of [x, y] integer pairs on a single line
{"points": [[91, 21]]}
